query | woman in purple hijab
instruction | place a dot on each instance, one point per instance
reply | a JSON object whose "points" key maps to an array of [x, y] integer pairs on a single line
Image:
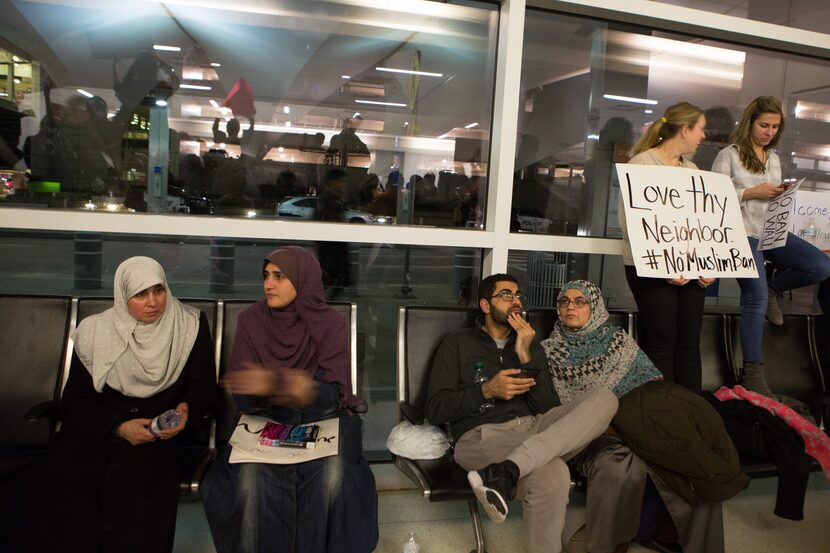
{"points": [[290, 363]]}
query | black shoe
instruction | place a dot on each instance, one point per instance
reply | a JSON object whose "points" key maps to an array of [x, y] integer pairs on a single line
{"points": [[655, 545], [495, 486]]}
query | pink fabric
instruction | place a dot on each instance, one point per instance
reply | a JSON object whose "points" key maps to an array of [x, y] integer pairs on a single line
{"points": [[816, 442]]}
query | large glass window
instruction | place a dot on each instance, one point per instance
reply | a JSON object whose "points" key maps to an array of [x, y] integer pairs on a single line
{"points": [[342, 111], [811, 15], [589, 89], [381, 278]]}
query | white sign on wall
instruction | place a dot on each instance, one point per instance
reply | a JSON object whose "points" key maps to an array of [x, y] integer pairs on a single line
{"points": [[811, 218], [684, 222]]}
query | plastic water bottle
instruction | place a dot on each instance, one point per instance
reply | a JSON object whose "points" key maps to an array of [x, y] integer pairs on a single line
{"points": [[480, 378], [411, 545], [809, 233], [168, 419]]}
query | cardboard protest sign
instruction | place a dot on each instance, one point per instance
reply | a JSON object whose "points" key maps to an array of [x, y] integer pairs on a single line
{"points": [[777, 219], [811, 218], [684, 222]]}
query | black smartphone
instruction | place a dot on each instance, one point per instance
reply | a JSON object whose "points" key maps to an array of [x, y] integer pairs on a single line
{"points": [[526, 374]]}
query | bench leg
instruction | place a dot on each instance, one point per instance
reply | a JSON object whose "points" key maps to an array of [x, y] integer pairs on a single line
{"points": [[475, 517]]}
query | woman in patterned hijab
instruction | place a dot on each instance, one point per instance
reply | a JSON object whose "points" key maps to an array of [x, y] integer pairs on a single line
{"points": [[585, 350]]}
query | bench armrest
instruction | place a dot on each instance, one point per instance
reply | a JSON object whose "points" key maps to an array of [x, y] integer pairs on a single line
{"points": [[45, 410], [411, 413]]}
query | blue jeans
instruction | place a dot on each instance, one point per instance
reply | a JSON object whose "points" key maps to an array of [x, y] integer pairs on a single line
{"points": [[324, 506], [799, 263]]}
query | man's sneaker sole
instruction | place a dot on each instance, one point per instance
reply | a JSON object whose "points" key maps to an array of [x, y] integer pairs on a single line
{"points": [[494, 504]]}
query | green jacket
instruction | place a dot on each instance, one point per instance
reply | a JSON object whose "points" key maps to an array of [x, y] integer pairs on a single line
{"points": [[683, 440]]}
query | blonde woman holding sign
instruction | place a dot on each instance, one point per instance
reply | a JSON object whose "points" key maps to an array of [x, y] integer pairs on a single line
{"points": [[670, 311], [755, 169]]}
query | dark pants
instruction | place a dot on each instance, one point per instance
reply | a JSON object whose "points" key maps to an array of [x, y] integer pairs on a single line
{"points": [[668, 326]]}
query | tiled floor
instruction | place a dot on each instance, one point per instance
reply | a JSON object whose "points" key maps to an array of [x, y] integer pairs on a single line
{"points": [[445, 528]]}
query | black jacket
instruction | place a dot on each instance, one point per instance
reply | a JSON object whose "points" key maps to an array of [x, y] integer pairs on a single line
{"points": [[760, 436], [454, 398]]}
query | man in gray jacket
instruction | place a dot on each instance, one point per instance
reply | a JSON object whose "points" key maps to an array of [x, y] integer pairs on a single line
{"points": [[491, 385]]}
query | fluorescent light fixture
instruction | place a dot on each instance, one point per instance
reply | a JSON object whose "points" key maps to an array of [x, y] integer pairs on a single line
{"points": [[17, 81], [649, 111], [593, 137], [214, 103], [471, 125], [3, 94], [630, 99], [375, 103], [161, 103], [214, 64], [286, 109], [85, 93], [164, 48], [409, 72], [357, 114], [195, 87], [345, 76]]}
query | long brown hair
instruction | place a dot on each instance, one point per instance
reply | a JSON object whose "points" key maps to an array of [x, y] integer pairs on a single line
{"points": [[742, 135], [668, 126]]}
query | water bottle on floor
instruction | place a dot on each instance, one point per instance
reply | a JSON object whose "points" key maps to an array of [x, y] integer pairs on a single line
{"points": [[168, 419], [411, 545]]}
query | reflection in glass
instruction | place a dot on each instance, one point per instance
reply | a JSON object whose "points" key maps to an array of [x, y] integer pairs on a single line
{"points": [[589, 88], [210, 107], [84, 265]]}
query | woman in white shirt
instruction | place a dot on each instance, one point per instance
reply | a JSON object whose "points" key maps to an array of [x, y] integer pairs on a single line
{"points": [[755, 169]]}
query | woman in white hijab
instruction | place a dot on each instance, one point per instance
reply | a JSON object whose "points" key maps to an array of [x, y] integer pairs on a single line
{"points": [[109, 483]]}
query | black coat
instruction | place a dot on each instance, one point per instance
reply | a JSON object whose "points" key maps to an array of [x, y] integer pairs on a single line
{"points": [[97, 492], [760, 436]]}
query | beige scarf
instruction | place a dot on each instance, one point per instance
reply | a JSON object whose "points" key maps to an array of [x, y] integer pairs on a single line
{"points": [[137, 359]]}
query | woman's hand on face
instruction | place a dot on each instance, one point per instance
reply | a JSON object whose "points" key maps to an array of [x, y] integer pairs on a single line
{"points": [[296, 389], [253, 380], [135, 431], [763, 191], [182, 409]]}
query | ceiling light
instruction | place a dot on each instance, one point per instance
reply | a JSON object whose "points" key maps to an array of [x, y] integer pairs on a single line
{"points": [[345, 76], [630, 99], [161, 103], [85, 93], [214, 64], [214, 103], [357, 114], [195, 87], [17, 81], [409, 72], [286, 109], [471, 125], [164, 48], [374, 103], [649, 111]]}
